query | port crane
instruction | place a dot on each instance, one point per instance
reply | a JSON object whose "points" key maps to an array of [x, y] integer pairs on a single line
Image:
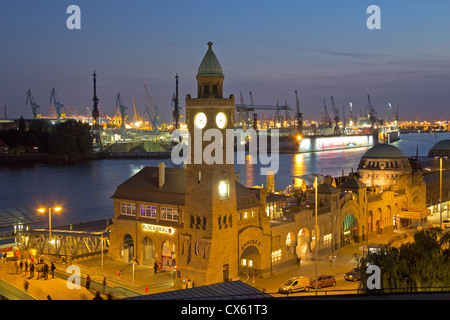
{"points": [[175, 102], [298, 115], [372, 113], [58, 105], [326, 119], [246, 109], [152, 111], [32, 103], [121, 108], [336, 119]]}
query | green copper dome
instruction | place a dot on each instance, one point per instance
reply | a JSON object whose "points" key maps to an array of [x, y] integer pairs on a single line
{"points": [[210, 66], [384, 151]]}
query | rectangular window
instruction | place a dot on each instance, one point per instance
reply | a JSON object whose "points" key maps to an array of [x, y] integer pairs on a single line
{"points": [[170, 214], [224, 190], [128, 209], [276, 256], [148, 211]]}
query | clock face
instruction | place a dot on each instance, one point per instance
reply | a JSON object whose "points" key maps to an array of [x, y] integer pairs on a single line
{"points": [[221, 120], [200, 120]]}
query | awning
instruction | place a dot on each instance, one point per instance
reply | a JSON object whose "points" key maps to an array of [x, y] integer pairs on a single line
{"points": [[415, 214]]}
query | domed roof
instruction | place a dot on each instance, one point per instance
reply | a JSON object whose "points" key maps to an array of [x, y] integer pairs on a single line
{"points": [[443, 145], [210, 66], [384, 151]]}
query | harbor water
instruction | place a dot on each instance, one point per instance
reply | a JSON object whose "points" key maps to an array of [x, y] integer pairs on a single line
{"points": [[84, 190]]}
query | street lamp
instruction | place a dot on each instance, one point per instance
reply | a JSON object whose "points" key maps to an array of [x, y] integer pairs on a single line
{"points": [[42, 211], [440, 190], [316, 185]]}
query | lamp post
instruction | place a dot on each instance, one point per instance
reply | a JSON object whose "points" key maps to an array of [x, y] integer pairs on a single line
{"points": [[42, 211], [316, 230], [440, 190]]}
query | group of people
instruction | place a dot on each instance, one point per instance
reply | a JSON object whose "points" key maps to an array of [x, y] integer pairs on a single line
{"points": [[32, 265]]}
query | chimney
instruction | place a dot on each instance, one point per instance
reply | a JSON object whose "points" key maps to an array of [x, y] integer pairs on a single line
{"points": [[162, 174]]}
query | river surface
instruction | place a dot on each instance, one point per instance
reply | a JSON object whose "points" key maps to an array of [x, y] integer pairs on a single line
{"points": [[84, 190]]}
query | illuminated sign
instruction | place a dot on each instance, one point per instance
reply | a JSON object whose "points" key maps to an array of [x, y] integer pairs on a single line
{"points": [[332, 143], [155, 228]]}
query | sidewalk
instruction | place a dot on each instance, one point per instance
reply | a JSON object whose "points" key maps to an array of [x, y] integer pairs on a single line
{"points": [[145, 281]]}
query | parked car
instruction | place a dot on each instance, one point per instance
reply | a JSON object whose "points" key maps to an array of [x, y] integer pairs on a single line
{"points": [[323, 281], [295, 284], [352, 275]]}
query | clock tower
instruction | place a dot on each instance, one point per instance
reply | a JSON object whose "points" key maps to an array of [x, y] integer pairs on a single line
{"points": [[208, 239]]}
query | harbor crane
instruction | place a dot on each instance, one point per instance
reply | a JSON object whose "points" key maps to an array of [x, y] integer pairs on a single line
{"points": [[152, 112], [326, 119], [58, 105], [337, 131], [243, 108], [298, 115], [372, 114], [122, 108], [175, 102], [32, 103]]}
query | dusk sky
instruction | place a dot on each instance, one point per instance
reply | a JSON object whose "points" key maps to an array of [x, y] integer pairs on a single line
{"points": [[271, 48]]}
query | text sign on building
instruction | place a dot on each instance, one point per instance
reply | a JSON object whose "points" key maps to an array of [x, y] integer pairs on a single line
{"points": [[155, 228]]}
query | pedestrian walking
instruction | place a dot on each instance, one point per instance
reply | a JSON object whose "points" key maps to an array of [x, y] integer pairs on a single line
{"points": [[330, 258], [88, 282], [21, 266], [32, 270], [26, 266], [97, 296], [52, 269], [25, 285], [45, 271], [155, 267], [104, 285]]}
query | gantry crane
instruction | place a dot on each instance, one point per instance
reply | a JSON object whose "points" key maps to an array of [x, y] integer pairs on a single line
{"points": [[243, 108], [30, 102], [58, 105], [152, 112]]}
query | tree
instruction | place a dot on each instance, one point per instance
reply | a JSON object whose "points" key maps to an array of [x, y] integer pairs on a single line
{"points": [[417, 265]]}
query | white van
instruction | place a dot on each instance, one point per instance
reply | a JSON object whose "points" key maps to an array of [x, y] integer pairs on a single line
{"points": [[295, 284]]}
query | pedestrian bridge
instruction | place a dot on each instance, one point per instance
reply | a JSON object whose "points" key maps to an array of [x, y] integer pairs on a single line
{"points": [[74, 244]]}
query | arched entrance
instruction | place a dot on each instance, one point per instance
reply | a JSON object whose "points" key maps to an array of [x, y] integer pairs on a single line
{"points": [[303, 243], [349, 230], [291, 244], [148, 249], [250, 261], [127, 252], [168, 255]]}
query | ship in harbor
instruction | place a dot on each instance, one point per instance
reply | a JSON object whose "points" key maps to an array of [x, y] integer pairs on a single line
{"points": [[334, 132]]}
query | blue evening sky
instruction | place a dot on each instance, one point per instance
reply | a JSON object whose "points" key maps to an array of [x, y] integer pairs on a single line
{"points": [[271, 48]]}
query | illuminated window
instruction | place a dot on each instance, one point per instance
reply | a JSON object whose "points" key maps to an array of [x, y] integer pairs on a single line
{"points": [[244, 262], [327, 240], [223, 190], [128, 209], [170, 214], [148, 211], [276, 256], [288, 239]]}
